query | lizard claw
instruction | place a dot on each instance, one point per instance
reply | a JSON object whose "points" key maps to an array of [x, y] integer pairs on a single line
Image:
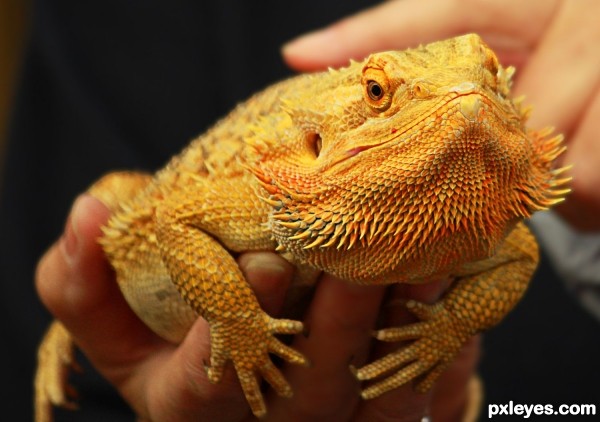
{"points": [[438, 338], [214, 369]]}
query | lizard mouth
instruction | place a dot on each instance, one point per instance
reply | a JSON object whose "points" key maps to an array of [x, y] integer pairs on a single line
{"points": [[469, 105]]}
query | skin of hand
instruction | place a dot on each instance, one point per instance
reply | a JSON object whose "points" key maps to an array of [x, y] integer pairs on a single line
{"points": [[553, 44], [163, 382]]}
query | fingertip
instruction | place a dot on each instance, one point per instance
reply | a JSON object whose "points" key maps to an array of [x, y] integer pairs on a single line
{"points": [[269, 275], [269, 262], [389, 26], [58, 273], [89, 275], [344, 294], [52, 262], [315, 51], [87, 217]]}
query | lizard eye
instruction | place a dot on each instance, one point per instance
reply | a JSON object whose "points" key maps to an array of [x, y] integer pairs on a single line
{"points": [[377, 91], [374, 90]]}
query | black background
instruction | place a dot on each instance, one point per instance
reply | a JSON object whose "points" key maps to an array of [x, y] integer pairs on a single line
{"points": [[111, 85]]}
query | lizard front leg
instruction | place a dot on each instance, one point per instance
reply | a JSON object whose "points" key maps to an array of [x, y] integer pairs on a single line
{"points": [[211, 282], [482, 295]]}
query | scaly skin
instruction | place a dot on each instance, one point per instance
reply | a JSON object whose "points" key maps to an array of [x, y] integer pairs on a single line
{"points": [[407, 167]]}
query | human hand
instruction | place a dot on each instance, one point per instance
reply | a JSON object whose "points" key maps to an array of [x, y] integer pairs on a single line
{"points": [[553, 44], [162, 381]]}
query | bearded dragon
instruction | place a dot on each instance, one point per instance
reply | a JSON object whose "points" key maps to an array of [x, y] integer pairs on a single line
{"points": [[406, 167]]}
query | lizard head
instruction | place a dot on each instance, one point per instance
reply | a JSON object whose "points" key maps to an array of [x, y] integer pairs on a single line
{"points": [[410, 146]]}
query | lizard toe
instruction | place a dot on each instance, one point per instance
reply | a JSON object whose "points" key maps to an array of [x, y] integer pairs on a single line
{"points": [[276, 379], [251, 388], [396, 380], [286, 352]]}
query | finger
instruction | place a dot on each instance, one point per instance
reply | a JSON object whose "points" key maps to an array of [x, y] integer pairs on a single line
{"points": [[269, 275], [340, 320], [561, 82], [560, 77], [379, 28], [506, 26], [176, 384], [582, 207], [453, 398]]}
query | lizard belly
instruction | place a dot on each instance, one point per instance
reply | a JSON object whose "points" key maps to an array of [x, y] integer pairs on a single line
{"points": [[155, 299]]}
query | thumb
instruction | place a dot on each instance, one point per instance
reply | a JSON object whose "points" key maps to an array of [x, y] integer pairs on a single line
{"points": [[76, 284]]}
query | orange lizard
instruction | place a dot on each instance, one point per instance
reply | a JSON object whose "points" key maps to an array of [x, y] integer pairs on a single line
{"points": [[406, 167]]}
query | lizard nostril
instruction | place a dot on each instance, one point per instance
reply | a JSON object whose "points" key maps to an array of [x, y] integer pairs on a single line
{"points": [[470, 106]]}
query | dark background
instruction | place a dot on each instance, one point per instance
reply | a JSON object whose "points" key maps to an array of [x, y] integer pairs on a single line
{"points": [[113, 84]]}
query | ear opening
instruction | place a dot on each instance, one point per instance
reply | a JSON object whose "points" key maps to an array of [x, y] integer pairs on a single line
{"points": [[315, 143]]}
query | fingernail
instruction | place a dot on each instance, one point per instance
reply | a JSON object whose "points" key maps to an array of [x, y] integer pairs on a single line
{"points": [[71, 236]]}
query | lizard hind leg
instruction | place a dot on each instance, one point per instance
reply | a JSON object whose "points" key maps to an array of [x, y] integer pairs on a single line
{"points": [[55, 358]]}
